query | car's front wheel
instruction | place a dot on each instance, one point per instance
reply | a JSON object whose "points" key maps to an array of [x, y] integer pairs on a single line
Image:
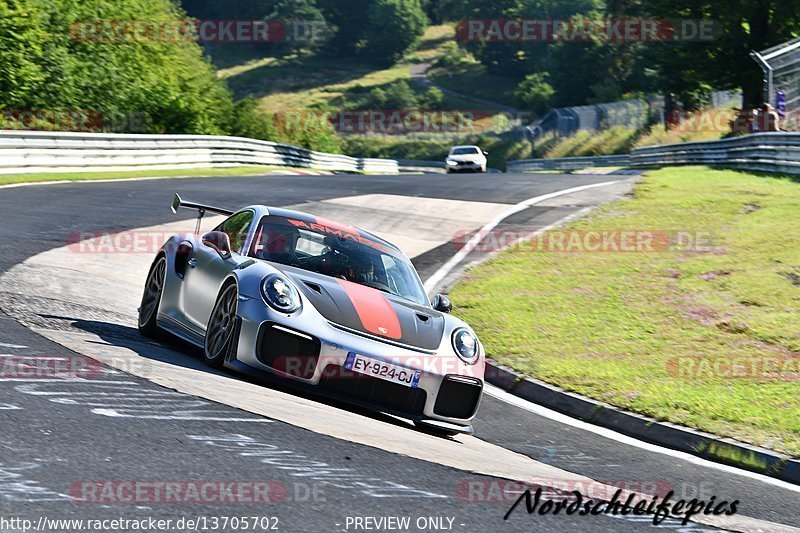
{"points": [[219, 332], [151, 299]]}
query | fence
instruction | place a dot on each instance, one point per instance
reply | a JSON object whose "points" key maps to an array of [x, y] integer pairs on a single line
{"points": [[771, 152], [565, 121], [36, 151], [781, 66]]}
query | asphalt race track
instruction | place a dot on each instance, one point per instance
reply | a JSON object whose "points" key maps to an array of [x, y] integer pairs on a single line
{"points": [[168, 419]]}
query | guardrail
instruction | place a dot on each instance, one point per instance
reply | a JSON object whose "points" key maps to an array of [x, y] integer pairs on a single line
{"points": [[38, 151], [419, 165], [568, 163], [771, 152]]}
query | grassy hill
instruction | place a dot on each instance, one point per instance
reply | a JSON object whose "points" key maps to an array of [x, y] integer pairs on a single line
{"points": [[308, 82], [304, 81]]}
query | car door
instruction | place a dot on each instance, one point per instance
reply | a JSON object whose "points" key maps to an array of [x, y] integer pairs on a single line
{"points": [[207, 270]]}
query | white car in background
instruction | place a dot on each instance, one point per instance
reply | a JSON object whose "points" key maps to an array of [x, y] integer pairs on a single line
{"points": [[466, 159]]}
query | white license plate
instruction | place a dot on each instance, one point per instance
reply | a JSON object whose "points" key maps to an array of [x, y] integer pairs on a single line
{"points": [[382, 370]]}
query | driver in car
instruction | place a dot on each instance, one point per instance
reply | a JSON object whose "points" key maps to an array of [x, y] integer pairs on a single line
{"points": [[363, 272], [278, 245]]}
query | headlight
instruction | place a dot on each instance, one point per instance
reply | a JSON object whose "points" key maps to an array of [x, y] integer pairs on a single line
{"points": [[451, 162], [465, 343], [280, 294]]}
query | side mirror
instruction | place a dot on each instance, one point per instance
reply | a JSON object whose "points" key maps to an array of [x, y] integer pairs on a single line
{"points": [[442, 303], [220, 242], [485, 152]]}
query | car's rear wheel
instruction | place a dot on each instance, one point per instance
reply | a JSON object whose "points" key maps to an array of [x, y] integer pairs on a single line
{"points": [[219, 333], [151, 299]]}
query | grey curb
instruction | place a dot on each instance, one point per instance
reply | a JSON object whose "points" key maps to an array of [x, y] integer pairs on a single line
{"points": [[705, 445]]}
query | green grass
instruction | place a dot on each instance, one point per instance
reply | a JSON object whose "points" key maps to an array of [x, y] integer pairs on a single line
{"points": [[469, 77], [309, 81], [658, 135], [9, 179], [616, 140], [608, 324]]}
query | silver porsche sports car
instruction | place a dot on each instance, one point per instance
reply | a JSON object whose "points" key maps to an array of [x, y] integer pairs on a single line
{"points": [[321, 303]]}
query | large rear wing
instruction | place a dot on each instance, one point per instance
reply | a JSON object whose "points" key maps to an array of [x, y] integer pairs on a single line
{"points": [[177, 203]]}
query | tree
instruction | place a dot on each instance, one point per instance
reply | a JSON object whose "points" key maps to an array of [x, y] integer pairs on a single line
{"points": [[22, 41], [304, 23], [392, 28], [346, 18], [232, 9], [534, 93], [51, 59], [689, 68]]}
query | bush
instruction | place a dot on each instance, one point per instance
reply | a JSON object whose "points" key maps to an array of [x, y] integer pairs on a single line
{"points": [[310, 130], [396, 95], [248, 121], [534, 93], [432, 99], [454, 59], [400, 95]]}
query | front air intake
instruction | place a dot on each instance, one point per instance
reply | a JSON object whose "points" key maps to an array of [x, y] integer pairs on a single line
{"points": [[458, 397]]}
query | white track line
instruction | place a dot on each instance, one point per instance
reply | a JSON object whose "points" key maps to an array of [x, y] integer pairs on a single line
{"points": [[624, 439], [448, 267]]}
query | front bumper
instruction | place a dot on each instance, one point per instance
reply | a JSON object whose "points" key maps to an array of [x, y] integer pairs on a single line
{"points": [[308, 349], [465, 167]]}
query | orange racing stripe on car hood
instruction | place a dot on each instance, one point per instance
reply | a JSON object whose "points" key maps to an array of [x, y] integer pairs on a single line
{"points": [[374, 311]]}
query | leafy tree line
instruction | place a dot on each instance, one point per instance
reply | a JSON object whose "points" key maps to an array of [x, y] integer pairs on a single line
{"points": [[46, 65], [573, 73], [376, 31]]}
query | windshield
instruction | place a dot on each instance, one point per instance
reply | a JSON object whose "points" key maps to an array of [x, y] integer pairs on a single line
{"points": [[465, 150], [337, 251]]}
